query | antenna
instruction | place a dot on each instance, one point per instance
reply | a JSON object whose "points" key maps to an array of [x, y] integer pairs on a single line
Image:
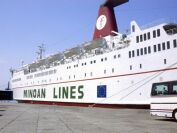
{"points": [[11, 71], [22, 63], [41, 51]]}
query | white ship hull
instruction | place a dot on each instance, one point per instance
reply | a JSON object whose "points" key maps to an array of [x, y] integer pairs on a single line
{"points": [[120, 73], [123, 86], [131, 89]]}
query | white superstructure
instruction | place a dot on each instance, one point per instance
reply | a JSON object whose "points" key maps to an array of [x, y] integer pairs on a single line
{"points": [[117, 69]]}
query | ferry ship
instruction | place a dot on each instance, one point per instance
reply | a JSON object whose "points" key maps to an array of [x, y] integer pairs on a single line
{"points": [[113, 69]]}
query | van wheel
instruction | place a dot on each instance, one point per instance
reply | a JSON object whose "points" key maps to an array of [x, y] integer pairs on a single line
{"points": [[175, 115]]}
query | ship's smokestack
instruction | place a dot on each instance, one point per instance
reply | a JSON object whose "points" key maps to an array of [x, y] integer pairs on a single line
{"points": [[106, 20]]}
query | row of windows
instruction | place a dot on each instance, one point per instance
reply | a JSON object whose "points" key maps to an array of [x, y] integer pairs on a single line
{"points": [[140, 65], [156, 33], [147, 50], [84, 64], [138, 52], [117, 56], [42, 81], [147, 36], [74, 76], [68, 67], [169, 88], [94, 61], [144, 37], [91, 74], [104, 59], [69, 77], [29, 77], [45, 73], [75, 65], [16, 80]]}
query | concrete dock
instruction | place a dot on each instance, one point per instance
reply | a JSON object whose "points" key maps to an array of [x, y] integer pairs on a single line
{"points": [[28, 118]]}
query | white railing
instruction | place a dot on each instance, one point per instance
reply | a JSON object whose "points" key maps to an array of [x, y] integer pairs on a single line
{"points": [[86, 55]]}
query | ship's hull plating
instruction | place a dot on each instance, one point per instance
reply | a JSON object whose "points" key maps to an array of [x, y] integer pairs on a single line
{"points": [[128, 90]]}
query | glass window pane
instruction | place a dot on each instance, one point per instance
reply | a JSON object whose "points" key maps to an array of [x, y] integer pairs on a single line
{"points": [[149, 35], [160, 89], [144, 37], [174, 43], [174, 91], [133, 53], [168, 45], [155, 48], [158, 32], [130, 54], [141, 38], [163, 46], [141, 51], [159, 47], [154, 34], [145, 50], [137, 39], [138, 53], [149, 49]]}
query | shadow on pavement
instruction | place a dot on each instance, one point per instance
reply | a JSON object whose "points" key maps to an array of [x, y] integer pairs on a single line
{"points": [[167, 120]]}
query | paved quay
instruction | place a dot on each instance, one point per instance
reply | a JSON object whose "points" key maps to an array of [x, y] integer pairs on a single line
{"points": [[29, 118]]}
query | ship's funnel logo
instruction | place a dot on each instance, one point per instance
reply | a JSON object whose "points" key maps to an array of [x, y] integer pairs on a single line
{"points": [[106, 21], [101, 22]]}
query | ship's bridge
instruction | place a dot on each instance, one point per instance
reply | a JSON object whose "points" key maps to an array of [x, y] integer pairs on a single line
{"points": [[170, 28]]}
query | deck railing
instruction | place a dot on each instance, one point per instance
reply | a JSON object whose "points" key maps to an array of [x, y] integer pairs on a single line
{"points": [[160, 21]]}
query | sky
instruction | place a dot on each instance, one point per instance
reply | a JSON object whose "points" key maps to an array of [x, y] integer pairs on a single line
{"points": [[63, 24]]}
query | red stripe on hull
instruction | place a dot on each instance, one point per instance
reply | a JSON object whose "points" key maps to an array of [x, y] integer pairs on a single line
{"points": [[82, 80], [130, 106]]}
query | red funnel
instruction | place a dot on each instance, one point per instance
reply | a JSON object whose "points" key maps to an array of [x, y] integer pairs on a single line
{"points": [[114, 3], [106, 21]]}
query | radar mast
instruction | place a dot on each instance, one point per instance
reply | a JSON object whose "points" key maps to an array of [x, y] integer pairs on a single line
{"points": [[40, 52]]}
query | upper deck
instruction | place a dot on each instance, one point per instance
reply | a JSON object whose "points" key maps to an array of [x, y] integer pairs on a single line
{"points": [[103, 45]]}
